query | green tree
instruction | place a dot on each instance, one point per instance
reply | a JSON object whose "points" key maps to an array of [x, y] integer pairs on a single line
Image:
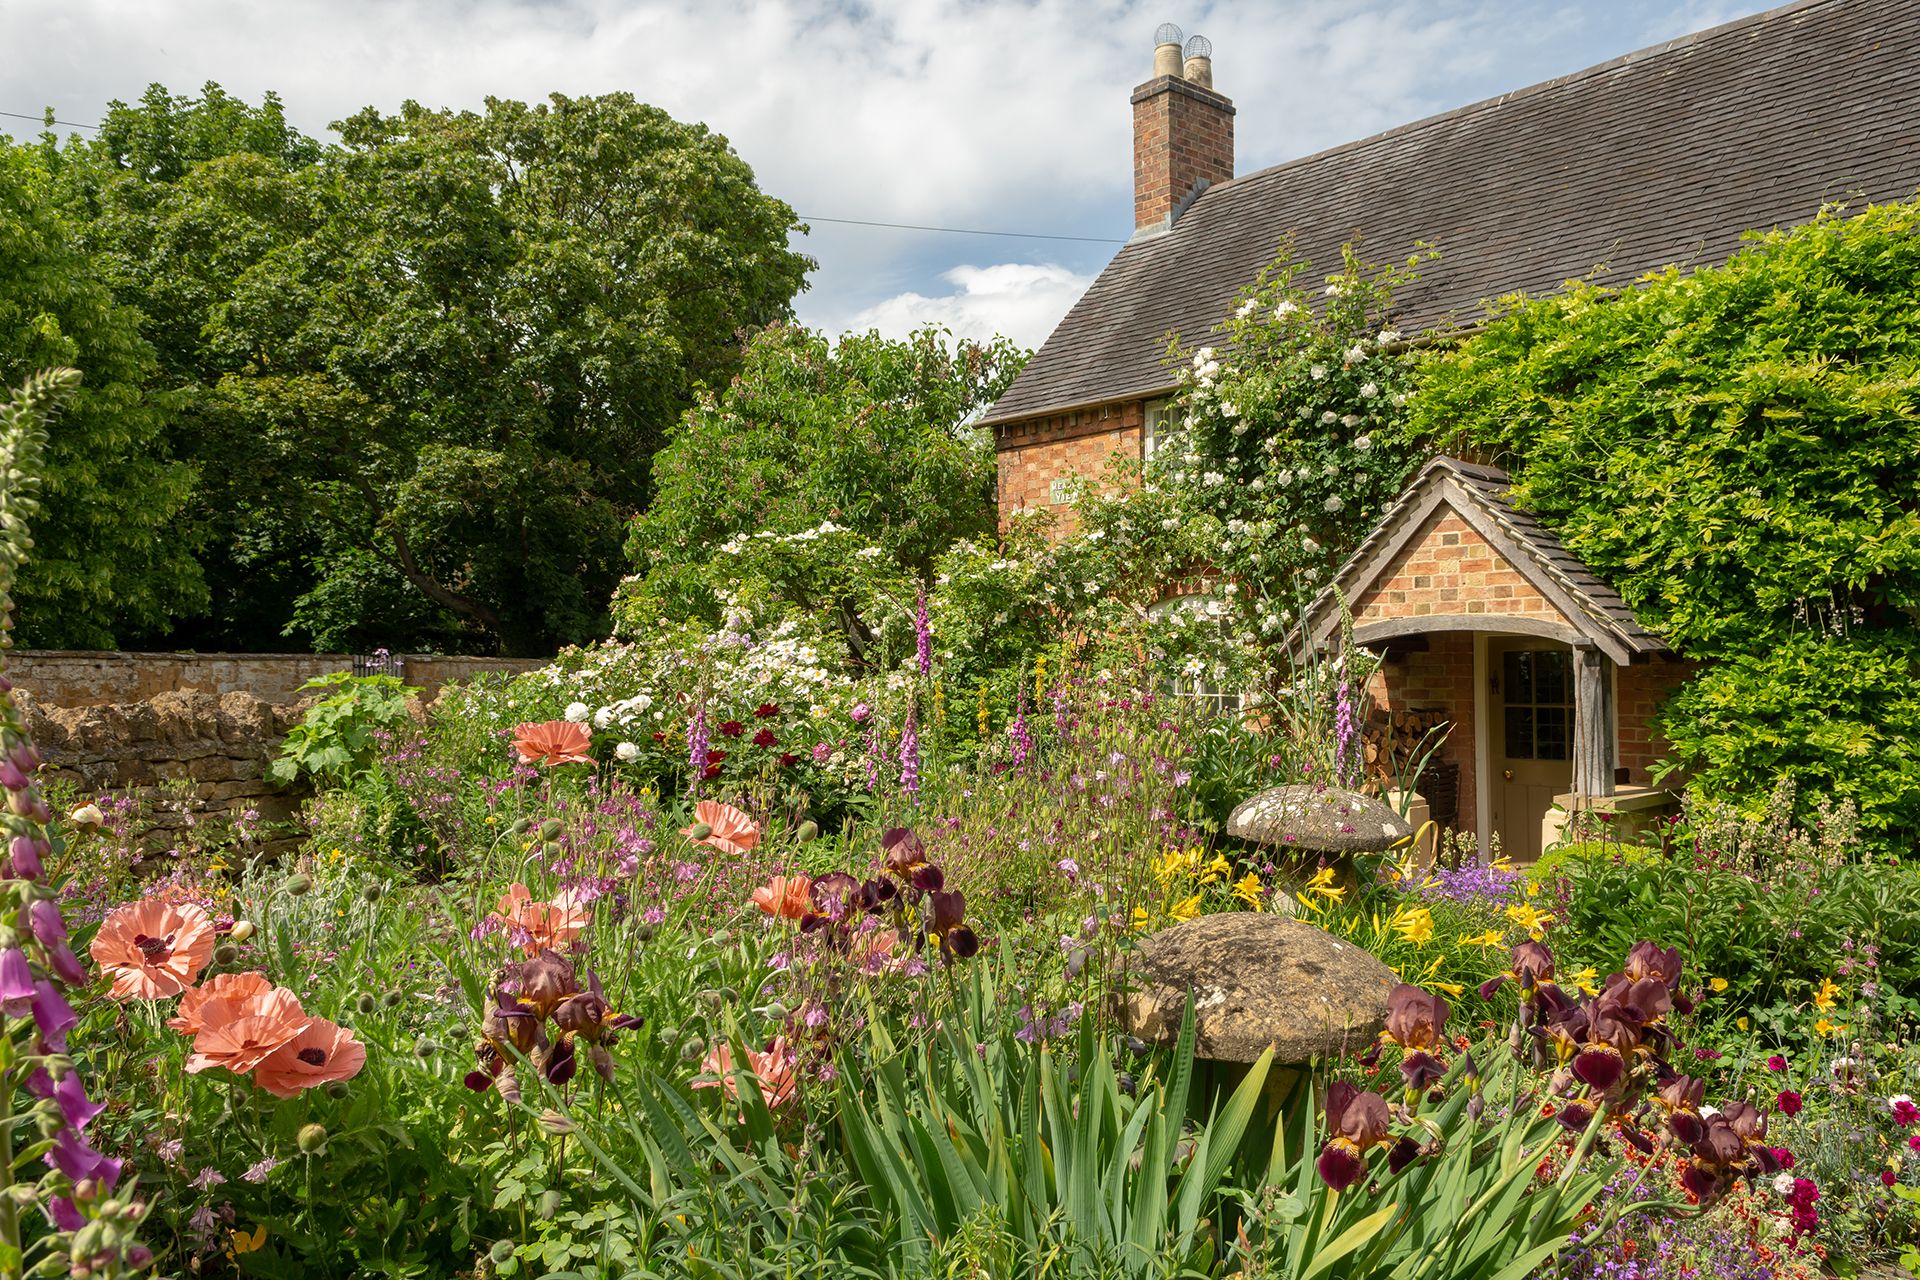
{"points": [[1734, 450], [870, 436], [108, 557], [430, 365]]}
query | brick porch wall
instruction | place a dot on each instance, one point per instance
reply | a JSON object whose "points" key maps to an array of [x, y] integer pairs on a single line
{"points": [[1448, 568], [1637, 692], [1440, 677]]}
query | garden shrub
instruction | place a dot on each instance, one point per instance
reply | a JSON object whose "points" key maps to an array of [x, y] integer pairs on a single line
{"points": [[1733, 449], [342, 731]]}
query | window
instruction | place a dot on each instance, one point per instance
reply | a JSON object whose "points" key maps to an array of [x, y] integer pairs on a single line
{"points": [[1159, 425], [1195, 682], [1538, 694]]}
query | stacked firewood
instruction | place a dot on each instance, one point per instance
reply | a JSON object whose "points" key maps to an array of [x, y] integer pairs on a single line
{"points": [[1392, 740]]}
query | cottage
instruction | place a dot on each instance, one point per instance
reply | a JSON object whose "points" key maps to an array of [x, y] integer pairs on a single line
{"points": [[1660, 157]]}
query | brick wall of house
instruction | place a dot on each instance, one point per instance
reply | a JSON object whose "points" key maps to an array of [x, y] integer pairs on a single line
{"points": [[1034, 455], [1638, 691], [1448, 568], [1439, 677]]}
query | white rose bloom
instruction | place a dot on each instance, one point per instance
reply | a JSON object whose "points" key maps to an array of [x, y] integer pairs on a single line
{"points": [[1334, 290], [1363, 443], [1259, 484], [1284, 476], [1247, 308], [1285, 309], [1309, 546], [626, 751], [1369, 390], [603, 717], [1329, 417], [578, 712], [1387, 335], [1356, 353], [1333, 504], [1349, 420], [1318, 372], [1202, 356]]}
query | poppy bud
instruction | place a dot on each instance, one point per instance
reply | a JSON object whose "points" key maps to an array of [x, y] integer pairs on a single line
{"points": [[312, 1139], [393, 998], [225, 953], [241, 931], [643, 933], [338, 1090], [552, 852], [366, 1003], [551, 829], [501, 1253], [693, 1050], [298, 885], [522, 825], [424, 1048], [373, 893], [807, 832]]}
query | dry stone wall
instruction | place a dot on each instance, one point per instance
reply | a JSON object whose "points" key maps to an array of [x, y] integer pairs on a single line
{"points": [[80, 678]]}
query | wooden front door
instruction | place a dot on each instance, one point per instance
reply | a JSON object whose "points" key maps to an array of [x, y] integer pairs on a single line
{"points": [[1531, 751]]}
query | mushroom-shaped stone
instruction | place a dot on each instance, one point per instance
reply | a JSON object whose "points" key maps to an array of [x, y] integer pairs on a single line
{"points": [[1258, 981], [1318, 820]]}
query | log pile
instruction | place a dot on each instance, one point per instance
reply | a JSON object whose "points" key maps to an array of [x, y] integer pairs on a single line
{"points": [[1392, 740]]}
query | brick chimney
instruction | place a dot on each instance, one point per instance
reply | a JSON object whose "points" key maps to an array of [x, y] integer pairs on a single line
{"points": [[1182, 132]]}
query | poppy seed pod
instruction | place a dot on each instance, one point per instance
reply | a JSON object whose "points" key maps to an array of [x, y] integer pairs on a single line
{"points": [[552, 852], [312, 1139], [298, 885], [424, 1048], [393, 999], [501, 1253], [338, 1089]]}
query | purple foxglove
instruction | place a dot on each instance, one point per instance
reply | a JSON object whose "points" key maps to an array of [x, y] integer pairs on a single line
{"points": [[16, 983], [53, 1015], [43, 917]]}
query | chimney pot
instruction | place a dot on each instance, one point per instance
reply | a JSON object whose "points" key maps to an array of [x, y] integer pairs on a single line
{"points": [[1166, 51], [1199, 63]]}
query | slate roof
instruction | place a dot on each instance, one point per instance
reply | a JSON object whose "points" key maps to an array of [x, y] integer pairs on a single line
{"points": [[1662, 156], [1594, 608]]}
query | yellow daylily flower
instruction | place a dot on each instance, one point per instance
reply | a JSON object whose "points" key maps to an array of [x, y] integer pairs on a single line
{"points": [[1321, 879], [1217, 869], [1530, 918], [1186, 908], [1140, 919], [1824, 1027], [1824, 998], [1584, 981], [1490, 940], [1415, 926], [1249, 890], [1304, 901]]}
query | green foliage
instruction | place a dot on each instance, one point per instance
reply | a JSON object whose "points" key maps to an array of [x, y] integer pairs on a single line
{"points": [[343, 730], [867, 436], [430, 365], [1733, 450], [23, 445], [109, 558]]}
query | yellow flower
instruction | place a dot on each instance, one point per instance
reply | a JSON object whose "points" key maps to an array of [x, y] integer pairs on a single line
{"points": [[1217, 869], [1166, 866], [493, 820], [1584, 981], [1824, 1027], [1186, 908], [1248, 890], [1306, 902], [1718, 984], [1337, 894], [1141, 919], [1415, 926], [1824, 998], [1489, 940], [245, 1243], [1451, 988], [1741, 1023], [1321, 878], [1529, 917]]}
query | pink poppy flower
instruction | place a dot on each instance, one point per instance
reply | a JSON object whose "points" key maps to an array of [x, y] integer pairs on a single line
{"points": [[227, 996], [547, 925], [788, 897], [321, 1054], [772, 1067], [728, 829], [553, 742], [153, 948]]}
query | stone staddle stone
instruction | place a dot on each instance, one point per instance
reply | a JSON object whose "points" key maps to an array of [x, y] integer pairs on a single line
{"points": [[1318, 820], [1257, 980]]}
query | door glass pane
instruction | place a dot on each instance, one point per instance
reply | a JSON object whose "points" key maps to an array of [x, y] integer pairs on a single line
{"points": [[1517, 671], [1519, 733], [1550, 733], [1552, 672]]}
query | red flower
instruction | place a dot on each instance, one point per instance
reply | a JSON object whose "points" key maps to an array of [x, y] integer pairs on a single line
{"points": [[660, 737], [765, 738], [1776, 1063], [788, 759], [732, 728], [1886, 1178], [766, 711], [1787, 1103]]}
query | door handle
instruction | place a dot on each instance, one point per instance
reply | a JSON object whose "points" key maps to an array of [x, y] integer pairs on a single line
{"points": [[1507, 774]]}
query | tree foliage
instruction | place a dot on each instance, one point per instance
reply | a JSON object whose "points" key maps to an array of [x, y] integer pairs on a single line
{"points": [[107, 555], [869, 437], [429, 366], [1734, 450]]}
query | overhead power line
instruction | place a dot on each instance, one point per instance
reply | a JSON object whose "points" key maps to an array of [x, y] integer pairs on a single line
{"points": [[845, 222], [963, 231]]}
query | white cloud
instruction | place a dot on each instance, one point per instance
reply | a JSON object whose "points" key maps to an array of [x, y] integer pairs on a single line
{"points": [[1020, 300]]}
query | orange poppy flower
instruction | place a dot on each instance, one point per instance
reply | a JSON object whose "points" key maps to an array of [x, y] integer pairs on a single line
{"points": [[227, 996], [244, 1043], [788, 897], [729, 830], [771, 1067], [152, 948], [547, 925], [321, 1054], [553, 742]]}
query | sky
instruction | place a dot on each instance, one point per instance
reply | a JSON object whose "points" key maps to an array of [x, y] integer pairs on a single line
{"points": [[1008, 116]]}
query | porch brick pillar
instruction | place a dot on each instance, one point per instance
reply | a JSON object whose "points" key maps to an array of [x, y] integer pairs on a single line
{"points": [[1592, 723]]}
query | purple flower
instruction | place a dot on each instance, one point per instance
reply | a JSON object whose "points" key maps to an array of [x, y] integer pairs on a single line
{"points": [[259, 1169], [44, 918], [860, 713], [697, 746], [910, 754], [26, 857], [53, 1015], [208, 1178], [923, 636], [16, 982]]}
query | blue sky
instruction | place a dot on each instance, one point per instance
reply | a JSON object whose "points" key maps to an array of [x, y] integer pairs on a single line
{"points": [[1006, 115]]}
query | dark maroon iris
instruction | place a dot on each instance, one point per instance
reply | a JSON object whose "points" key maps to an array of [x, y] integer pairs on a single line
{"points": [[313, 1057], [154, 950]]}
